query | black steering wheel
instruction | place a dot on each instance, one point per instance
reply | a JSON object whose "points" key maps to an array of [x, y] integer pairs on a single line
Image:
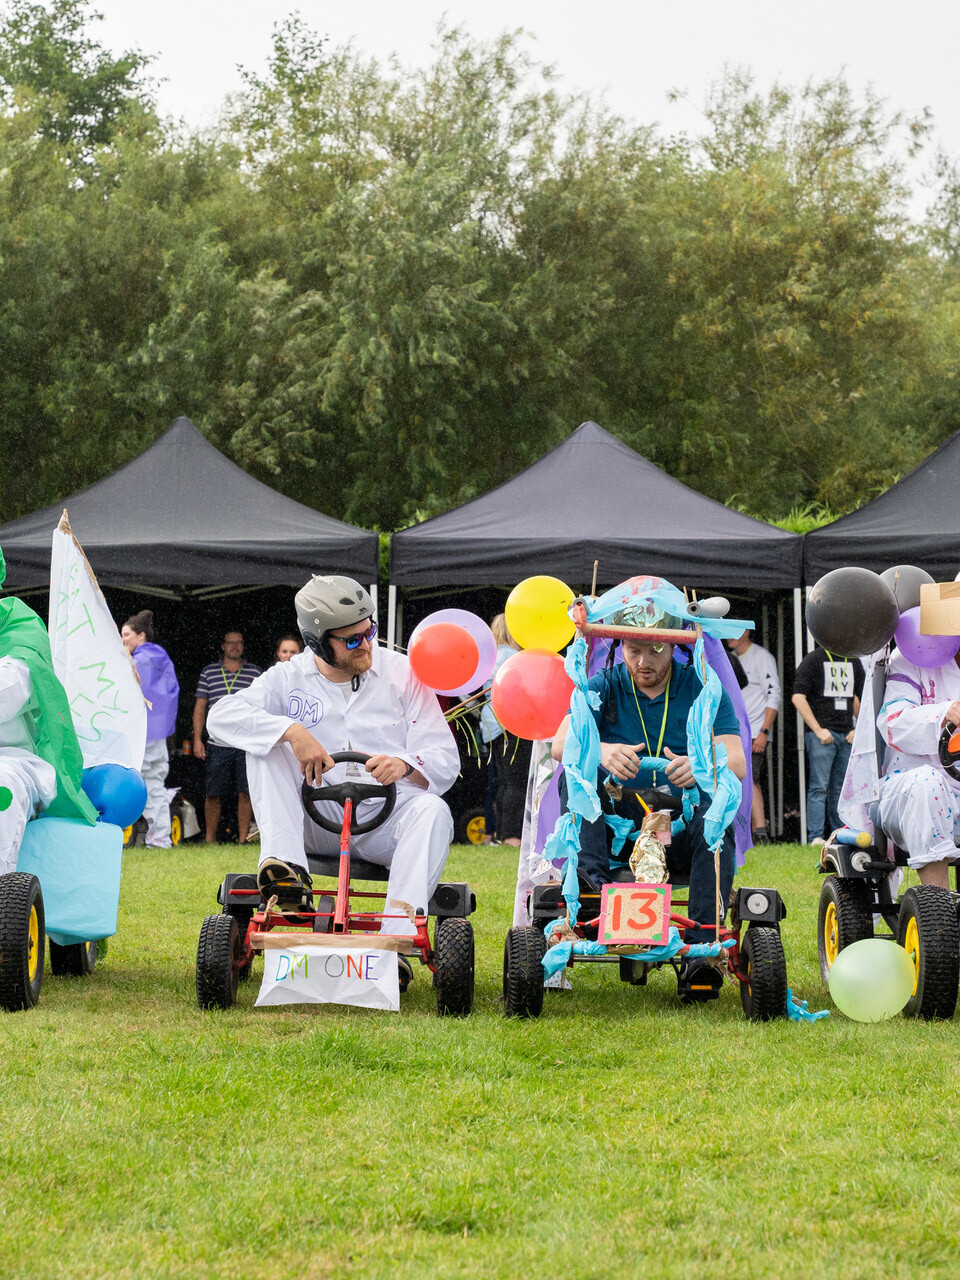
{"points": [[355, 791], [949, 759]]}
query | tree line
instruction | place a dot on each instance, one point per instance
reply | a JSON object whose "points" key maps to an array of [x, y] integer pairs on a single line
{"points": [[385, 292]]}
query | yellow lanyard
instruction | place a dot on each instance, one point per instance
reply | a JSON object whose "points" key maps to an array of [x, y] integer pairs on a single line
{"points": [[663, 722], [833, 671], [228, 685]]}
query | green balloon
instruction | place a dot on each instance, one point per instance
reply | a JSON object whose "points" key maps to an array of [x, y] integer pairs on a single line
{"points": [[6, 798], [872, 979]]}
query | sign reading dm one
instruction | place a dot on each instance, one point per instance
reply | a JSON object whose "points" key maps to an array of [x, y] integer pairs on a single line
{"points": [[635, 913], [330, 975]]}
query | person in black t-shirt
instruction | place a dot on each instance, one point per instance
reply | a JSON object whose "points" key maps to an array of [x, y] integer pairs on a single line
{"points": [[826, 692]]}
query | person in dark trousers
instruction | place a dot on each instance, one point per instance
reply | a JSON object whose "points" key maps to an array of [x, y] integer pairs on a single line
{"points": [[826, 692]]}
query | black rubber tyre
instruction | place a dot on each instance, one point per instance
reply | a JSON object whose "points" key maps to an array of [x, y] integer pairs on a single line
{"points": [[523, 973], [927, 929], [74, 961], [22, 940], [845, 916], [324, 903], [764, 993], [243, 916], [471, 827], [453, 956], [218, 953]]}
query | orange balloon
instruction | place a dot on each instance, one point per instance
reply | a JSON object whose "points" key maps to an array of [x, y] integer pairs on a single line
{"points": [[443, 656], [530, 694]]}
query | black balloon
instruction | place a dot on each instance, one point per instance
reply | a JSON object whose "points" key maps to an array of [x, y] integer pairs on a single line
{"points": [[852, 612], [904, 581]]}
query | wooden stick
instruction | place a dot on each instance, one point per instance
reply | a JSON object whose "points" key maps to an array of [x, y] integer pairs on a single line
{"points": [[277, 941], [593, 589]]}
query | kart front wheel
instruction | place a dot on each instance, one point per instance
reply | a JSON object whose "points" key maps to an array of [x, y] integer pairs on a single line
{"points": [[218, 963], [763, 966], [927, 930], [523, 973], [845, 916], [454, 957], [22, 940]]}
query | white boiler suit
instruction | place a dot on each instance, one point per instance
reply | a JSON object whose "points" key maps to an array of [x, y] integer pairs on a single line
{"points": [[392, 714], [31, 782], [919, 802]]}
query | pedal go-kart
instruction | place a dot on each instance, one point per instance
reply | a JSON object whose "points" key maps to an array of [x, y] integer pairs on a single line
{"points": [[229, 941], [924, 921], [756, 963], [754, 959]]}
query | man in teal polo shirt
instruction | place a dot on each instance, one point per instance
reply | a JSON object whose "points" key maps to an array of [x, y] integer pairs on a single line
{"points": [[644, 705]]}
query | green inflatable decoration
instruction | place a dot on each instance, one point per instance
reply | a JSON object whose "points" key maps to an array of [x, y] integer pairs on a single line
{"points": [[47, 715]]}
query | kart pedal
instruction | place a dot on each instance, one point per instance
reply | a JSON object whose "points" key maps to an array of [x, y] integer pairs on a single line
{"points": [[699, 983]]}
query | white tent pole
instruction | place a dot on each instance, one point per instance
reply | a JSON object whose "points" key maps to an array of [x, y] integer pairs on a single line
{"points": [[801, 759], [391, 615]]}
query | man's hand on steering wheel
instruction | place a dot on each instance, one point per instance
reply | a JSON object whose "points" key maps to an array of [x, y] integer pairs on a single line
{"points": [[314, 758], [386, 769]]}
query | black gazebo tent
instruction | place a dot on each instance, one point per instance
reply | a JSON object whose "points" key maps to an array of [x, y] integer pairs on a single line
{"points": [[916, 521], [182, 515], [594, 498]]}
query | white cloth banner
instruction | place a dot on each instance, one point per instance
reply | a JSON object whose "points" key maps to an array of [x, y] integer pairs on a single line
{"points": [[106, 701], [366, 977]]}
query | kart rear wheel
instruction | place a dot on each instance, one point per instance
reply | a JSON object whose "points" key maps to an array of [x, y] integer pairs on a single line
{"points": [[77, 960], [927, 930], [763, 994], [454, 958], [845, 916], [523, 973], [218, 953], [324, 907], [471, 827], [22, 939]]}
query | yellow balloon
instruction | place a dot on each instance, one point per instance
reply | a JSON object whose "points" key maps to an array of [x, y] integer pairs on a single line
{"points": [[536, 613]]}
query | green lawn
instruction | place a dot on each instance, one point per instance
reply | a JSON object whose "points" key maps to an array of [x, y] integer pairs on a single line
{"points": [[621, 1134]]}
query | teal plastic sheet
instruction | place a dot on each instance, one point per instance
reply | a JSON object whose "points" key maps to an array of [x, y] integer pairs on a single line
{"points": [[78, 867]]}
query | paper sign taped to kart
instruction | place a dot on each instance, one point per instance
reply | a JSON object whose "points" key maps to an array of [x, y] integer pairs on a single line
{"points": [[635, 913], [366, 977]]}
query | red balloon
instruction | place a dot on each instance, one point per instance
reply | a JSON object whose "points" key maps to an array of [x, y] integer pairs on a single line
{"points": [[443, 655], [530, 694]]}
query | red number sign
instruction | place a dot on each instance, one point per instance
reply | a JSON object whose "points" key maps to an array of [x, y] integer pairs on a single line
{"points": [[635, 913]]}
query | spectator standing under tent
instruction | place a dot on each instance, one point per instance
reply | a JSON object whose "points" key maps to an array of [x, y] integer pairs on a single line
{"points": [[224, 765], [161, 691]]}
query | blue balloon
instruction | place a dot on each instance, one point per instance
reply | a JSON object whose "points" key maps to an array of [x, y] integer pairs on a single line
{"points": [[116, 792]]}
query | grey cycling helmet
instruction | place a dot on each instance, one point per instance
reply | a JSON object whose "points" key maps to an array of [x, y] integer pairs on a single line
{"points": [[325, 604]]}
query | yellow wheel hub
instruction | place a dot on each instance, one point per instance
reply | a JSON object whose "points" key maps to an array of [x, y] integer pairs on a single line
{"points": [[911, 944], [476, 830], [831, 934], [33, 944], [176, 830]]}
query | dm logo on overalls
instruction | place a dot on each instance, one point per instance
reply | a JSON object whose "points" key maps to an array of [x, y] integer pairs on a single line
{"points": [[303, 708]]}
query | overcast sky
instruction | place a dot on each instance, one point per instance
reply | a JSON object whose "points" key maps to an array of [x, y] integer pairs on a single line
{"points": [[632, 53]]}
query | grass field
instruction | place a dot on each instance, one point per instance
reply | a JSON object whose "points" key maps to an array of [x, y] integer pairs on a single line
{"points": [[621, 1134]]}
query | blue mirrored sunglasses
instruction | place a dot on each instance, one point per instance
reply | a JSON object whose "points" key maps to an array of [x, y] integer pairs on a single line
{"points": [[354, 642]]}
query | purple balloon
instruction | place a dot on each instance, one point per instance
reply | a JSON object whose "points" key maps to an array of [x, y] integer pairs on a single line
{"points": [[923, 651], [486, 646]]}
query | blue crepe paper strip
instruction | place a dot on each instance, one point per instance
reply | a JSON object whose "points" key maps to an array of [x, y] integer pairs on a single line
{"points": [[581, 750], [797, 1010], [559, 955]]}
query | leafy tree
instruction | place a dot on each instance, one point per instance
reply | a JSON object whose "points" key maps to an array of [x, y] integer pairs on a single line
{"points": [[83, 90]]}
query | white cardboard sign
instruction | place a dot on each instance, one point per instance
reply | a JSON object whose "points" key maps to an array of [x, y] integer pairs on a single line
{"points": [[364, 977]]}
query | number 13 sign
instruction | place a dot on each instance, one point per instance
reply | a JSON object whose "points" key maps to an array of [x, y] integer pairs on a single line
{"points": [[635, 913]]}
